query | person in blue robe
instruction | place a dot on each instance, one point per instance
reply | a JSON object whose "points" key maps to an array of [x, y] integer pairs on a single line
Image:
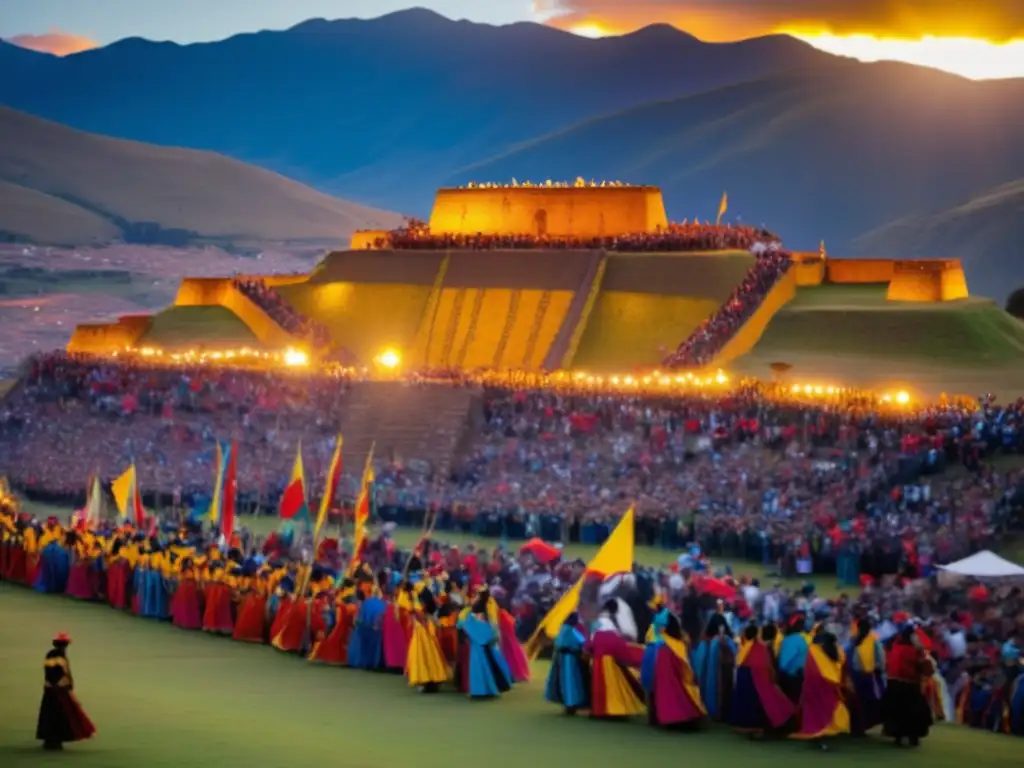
{"points": [[791, 658], [157, 604], [366, 646], [489, 673], [568, 682], [713, 663], [55, 562]]}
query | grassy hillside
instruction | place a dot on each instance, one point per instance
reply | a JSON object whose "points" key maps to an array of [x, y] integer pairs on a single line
{"points": [[852, 335], [91, 187], [27, 214], [987, 231], [193, 327], [825, 154]]}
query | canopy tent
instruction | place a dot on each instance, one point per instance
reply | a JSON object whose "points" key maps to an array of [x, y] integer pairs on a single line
{"points": [[984, 565]]}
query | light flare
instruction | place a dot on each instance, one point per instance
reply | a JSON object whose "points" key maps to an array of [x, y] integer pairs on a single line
{"points": [[969, 57], [591, 29]]}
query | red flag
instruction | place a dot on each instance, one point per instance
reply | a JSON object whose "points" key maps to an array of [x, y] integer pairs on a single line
{"points": [[227, 520], [140, 511]]}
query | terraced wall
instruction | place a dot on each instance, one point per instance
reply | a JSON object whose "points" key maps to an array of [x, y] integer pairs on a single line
{"points": [[649, 303], [104, 338], [478, 327], [216, 291], [363, 318], [752, 330]]}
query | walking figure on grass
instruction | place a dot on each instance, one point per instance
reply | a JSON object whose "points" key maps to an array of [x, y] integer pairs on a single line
{"points": [[61, 717]]}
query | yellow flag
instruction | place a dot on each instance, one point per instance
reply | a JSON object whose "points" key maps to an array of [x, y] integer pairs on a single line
{"points": [[722, 208], [615, 556], [122, 488], [218, 486]]}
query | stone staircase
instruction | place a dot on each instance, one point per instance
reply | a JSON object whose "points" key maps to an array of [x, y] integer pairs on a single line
{"points": [[562, 350], [427, 422]]}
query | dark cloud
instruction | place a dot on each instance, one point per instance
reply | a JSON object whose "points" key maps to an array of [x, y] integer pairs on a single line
{"points": [[997, 20], [55, 42]]}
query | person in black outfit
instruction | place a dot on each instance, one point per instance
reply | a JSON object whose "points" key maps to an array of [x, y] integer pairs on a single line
{"points": [[61, 717]]}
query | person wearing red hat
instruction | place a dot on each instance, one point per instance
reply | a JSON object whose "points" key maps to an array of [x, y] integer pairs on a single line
{"points": [[61, 717]]}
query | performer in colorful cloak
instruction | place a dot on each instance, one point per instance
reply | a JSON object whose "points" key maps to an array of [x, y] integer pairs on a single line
{"points": [[81, 581], [397, 629], [448, 629], [513, 652], [822, 710], [16, 557], [61, 717], [304, 620], [673, 695], [426, 667], [186, 612], [714, 662], [758, 705], [906, 712], [615, 691], [791, 657], [333, 649], [217, 617], [8, 534], [366, 645], [251, 621], [865, 661], [488, 674], [140, 576], [568, 682]]}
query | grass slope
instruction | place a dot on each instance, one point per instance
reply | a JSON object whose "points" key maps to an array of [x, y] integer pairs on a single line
{"points": [[852, 335], [27, 214], [201, 192], [181, 327], [162, 697], [986, 231]]}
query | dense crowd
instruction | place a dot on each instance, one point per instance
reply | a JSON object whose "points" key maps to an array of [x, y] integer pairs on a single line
{"points": [[834, 484], [715, 332], [270, 300], [676, 238]]}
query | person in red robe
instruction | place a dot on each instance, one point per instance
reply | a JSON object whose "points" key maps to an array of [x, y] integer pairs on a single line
{"points": [[823, 713], [333, 649], [61, 717], [905, 710], [186, 611], [217, 617], [251, 621], [616, 691]]}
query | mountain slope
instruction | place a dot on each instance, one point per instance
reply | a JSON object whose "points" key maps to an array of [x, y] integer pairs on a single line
{"points": [[988, 230], [381, 109], [828, 154], [94, 187]]}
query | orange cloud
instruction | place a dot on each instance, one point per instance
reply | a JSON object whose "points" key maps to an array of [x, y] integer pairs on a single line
{"points": [[56, 42], [720, 20]]}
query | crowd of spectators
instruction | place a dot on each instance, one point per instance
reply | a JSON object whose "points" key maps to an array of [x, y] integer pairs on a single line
{"points": [[270, 300], [685, 236], [839, 485], [714, 332]]}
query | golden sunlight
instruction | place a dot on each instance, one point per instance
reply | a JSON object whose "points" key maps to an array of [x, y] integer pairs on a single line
{"points": [[590, 29], [973, 58]]}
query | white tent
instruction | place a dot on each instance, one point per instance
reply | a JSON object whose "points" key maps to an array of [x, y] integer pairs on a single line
{"points": [[984, 565]]}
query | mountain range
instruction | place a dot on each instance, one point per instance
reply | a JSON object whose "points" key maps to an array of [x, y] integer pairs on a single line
{"points": [[875, 159]]}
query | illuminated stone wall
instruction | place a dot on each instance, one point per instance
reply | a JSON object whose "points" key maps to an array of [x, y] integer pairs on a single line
{"points": [[554, 211], [852, 271], [927, 281], [220, 291], [104, 338]]}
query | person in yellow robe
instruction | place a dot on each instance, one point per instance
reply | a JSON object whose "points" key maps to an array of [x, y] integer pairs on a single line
{"points": [[425, 667]]}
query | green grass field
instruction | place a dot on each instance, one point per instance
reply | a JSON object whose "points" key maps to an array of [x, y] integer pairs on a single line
{"points": [[181, 327], [850, 334], [163, 697]]}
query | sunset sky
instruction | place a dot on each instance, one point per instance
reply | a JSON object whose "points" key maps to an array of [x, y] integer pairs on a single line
{"points": [[975, 38]]}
